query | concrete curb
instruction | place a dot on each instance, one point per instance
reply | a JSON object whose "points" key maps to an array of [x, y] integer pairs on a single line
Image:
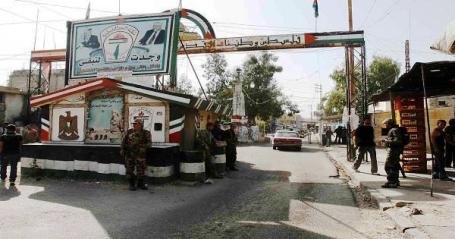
{"points": [[404, 224]]}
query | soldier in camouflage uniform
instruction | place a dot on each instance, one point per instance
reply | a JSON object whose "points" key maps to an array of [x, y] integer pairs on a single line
{"points": [[394, 144], [206, 142], [134, 148], [231, 148]]}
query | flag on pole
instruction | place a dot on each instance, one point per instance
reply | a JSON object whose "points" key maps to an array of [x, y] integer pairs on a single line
{"points": [[316, 9], [87, 14]]}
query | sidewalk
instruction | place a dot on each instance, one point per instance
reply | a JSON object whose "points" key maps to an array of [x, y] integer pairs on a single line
{"points": [[437, 219]]}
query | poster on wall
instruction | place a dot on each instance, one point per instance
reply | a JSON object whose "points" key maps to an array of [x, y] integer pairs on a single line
{"points": [[105, 120], [153, 117], [68, 124], [138, 45]]}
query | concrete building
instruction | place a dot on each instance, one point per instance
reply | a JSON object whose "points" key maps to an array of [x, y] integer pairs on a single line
{"points": [[12, 105], [19, 79]]}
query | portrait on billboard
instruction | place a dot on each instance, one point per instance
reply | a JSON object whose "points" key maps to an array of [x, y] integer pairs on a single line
{"points": [[137, 45]]}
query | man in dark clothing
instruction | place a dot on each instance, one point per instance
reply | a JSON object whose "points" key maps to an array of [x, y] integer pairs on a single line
{"points": [[217, 132], [437, 143], [338, 132], [231, 148], [450, 143], [364, 140], [395, 145], [10, 149], [328, 136]]}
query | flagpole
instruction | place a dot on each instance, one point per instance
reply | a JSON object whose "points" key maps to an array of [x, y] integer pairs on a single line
{"points": [[119, 8]]}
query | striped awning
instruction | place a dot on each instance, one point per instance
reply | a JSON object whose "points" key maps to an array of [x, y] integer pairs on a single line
{"points": [[188, 101], [211, 106]]}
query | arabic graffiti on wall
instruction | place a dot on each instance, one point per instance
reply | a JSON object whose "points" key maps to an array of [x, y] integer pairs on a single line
{"points": [[105, 120], [139, 45]]}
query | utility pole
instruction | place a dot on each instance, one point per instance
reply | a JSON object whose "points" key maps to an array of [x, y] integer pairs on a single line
{"points": [[351, 56], [407, 59], [318, 89]]}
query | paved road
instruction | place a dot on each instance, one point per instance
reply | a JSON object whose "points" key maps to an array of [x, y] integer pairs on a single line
{"points": [[276, 194]]}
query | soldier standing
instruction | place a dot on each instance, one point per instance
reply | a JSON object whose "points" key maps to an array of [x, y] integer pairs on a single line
{"points": [[133, 149], [10, 149], [394, 144], [206, 142], [437, 143], [231, 148], [450, 143]]}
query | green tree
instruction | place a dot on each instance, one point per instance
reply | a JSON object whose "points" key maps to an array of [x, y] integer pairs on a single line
{"points": [[218, 79], [184, 85], [263, 98], [381, 74]]}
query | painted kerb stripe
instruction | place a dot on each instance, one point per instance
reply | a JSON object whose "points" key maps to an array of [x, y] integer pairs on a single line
{"points": [[192, 167]]}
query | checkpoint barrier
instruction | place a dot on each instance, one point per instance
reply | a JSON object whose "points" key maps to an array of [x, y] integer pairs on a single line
{"points": [[192, 166], [219, 159]]}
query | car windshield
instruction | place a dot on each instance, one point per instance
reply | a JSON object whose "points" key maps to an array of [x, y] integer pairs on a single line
{"points": [[286, 134]]}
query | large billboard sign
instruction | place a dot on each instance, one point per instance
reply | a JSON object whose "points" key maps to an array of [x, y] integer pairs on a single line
{"points": [[137, 45]]}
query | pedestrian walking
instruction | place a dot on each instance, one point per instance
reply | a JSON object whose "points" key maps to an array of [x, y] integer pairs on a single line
{"points": [[231, 147], [206, 142], [450, 143], [395, 145], [10, 150], [438, 143], [364, 140], [338, 131], [134, 149], [328, 136]]}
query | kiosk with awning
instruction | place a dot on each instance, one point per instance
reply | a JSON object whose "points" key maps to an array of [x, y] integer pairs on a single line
{"points": [[83, 124], [408, 97]]}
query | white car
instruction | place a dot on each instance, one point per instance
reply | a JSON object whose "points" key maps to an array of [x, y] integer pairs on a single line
{"points": [[287, 139]]}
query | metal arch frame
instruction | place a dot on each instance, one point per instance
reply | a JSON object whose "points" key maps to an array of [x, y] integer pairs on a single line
{"points": [[257, 43], [359, 62]]}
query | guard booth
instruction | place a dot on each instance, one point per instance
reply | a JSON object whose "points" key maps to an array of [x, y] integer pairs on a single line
{"points": [[83, 125], [408, 97]]}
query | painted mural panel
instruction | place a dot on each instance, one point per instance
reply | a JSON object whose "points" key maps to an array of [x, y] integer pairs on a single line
{"points": [[105, 120], [154, 120], [68, 124]]}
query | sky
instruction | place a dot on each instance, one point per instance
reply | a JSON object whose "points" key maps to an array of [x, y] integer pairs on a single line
{"points": [[387, 24]]}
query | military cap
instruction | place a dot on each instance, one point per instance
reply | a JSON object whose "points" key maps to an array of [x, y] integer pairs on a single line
{"points": [[138, 121]]}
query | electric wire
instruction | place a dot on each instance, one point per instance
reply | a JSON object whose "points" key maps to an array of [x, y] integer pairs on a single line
{"points": [[29, 19], [194, 70], [63, 6]]}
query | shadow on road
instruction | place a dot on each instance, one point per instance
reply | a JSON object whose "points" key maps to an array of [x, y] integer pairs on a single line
{"points": [[8, 193], [250, 203]]}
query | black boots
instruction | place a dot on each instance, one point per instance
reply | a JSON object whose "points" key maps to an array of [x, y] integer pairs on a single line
{"points": [[141, 184], [132, 182]]}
